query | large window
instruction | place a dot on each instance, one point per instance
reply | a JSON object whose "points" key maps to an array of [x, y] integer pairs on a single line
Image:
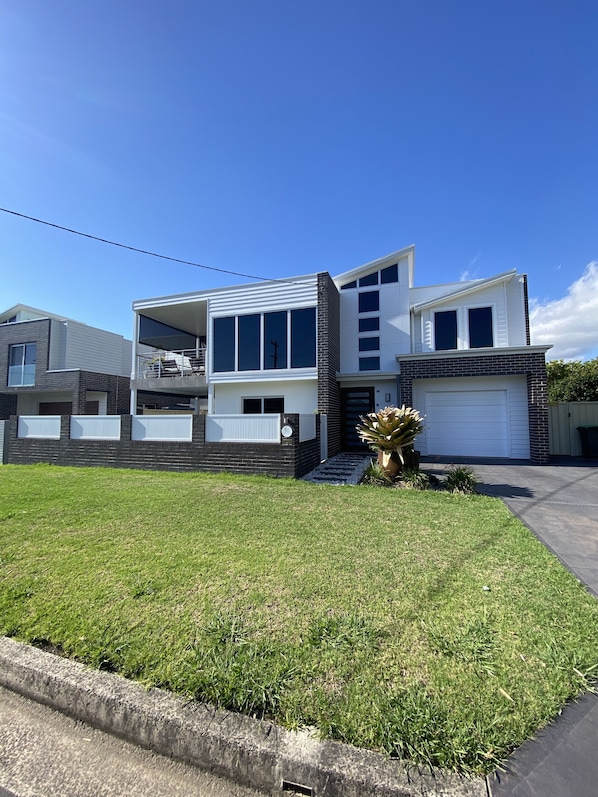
{"points": [[303, 338], [268, 341], [249, 343], [445, 330], [480, 327], [224, 344], [275, 340], [21, 364]]}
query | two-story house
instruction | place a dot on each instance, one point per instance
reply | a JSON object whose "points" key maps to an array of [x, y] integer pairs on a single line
{"points": [[343, 346], [53, 365]]}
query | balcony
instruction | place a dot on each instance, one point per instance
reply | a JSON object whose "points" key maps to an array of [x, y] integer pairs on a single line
{"points": [[182, 371]]}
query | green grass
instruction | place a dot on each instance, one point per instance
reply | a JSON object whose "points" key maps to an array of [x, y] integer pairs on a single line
{"points": [[421, 624]]}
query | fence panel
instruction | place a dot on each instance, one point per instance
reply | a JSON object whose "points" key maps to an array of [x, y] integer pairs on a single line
{"points": [[307, 427], [175, 428], [243, 428], [42, 426], [2, 437], [563, 420], [95, 427]]}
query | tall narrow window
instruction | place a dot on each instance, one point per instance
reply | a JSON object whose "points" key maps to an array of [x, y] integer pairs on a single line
{"points": [[275, 340], [21, 364], [445, 330], [224, 343], [249, 343], [480, 327], [303, 338]]}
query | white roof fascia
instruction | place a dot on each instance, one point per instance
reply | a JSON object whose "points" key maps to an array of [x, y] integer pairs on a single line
{"points": [[491, 351], [197, 296], [469, 287], [375, 265]]}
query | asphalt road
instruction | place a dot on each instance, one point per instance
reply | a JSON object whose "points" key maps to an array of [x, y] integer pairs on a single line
{"points": [[46, 754]]}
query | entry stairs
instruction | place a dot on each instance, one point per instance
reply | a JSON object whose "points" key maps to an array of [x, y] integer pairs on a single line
{"points": [[345, 468]]}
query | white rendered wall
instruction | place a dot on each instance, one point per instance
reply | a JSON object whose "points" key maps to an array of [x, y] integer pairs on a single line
{"points": [[394, 330], [299, 397]]}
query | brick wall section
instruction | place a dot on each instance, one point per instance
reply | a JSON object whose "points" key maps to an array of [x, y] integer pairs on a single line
{"points": [[289, 459], [532, 366], [329, 395], [528, 338]]}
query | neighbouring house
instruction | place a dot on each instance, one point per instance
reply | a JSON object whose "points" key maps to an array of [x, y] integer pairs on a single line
{"points": [[52, 365], [339, 347]]}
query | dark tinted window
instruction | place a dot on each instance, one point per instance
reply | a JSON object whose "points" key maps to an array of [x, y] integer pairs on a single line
{"points": [[349, 285], [389, 274], [274, 404], [369, 344], [369, 302], [303, 338], [445, 330], [369, 324], [224, 344], [249, 342], [275, 340], [371, 279], [252, 406], [480, 327], [369, 363]]}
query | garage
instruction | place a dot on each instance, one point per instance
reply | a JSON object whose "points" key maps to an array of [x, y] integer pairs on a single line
{"points": [[471, 417]]}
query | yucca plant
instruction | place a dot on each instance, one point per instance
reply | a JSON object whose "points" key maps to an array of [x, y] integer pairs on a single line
{"points": [[391, 433]]}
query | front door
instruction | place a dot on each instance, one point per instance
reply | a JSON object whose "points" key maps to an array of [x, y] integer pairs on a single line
{"points": [[355, 402]]}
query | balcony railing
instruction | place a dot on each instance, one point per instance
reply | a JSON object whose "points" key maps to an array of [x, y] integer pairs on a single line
{"points": [[165, 364]]}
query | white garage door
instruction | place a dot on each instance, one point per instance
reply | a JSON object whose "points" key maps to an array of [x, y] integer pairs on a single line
{"points": [[471, 423]]}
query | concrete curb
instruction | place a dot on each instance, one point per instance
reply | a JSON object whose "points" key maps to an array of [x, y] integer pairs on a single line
{"points": [[250, 752]]}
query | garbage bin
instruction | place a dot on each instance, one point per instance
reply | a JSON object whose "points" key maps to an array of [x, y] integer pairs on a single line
{"points": [[589, 441]]}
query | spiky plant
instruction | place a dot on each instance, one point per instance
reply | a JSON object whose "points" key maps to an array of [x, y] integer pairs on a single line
{"points": [[390, 432]]}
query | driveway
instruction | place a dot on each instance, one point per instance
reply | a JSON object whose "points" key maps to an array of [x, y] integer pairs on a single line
{"points": [[559, 503]]}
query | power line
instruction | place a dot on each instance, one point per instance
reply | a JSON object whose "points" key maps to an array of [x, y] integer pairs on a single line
{"points": [[141, 251]]}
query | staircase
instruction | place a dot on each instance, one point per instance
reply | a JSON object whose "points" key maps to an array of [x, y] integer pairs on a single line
{"points": [[344, 468]]}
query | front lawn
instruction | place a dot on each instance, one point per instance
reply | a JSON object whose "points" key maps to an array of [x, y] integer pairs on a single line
{"points": [[422, 624]]}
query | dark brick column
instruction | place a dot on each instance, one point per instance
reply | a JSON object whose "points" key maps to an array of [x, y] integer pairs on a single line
{"points": [[329, 394]]}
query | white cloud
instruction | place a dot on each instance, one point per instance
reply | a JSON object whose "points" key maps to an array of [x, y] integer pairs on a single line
{"points": [[570, 324]]}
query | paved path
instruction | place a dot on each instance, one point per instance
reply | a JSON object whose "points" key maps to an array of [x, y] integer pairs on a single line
{"points": [[559, 503]]}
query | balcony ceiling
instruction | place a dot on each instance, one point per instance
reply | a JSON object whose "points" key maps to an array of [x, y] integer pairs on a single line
{"points": [[190, 317]]}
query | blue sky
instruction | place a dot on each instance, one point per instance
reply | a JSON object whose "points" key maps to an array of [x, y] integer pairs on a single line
{"points": [[276, 139]]}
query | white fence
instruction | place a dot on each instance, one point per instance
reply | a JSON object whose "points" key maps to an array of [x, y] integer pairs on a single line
{"points": [[307, 427], [42, 426], [172, 428], [95, 427], [243, 428], [2, 432], [563, 420]]}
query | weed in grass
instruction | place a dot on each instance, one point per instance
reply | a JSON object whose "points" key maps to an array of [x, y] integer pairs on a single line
{"points": [[461, 479], [344, 631]]}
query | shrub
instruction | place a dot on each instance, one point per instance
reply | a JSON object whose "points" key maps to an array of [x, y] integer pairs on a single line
{"points": [[414, 479], [376, 475], [461, 479]]}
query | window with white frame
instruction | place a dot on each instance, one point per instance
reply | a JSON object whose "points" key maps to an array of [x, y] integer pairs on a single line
{"points": [[21, 364]]}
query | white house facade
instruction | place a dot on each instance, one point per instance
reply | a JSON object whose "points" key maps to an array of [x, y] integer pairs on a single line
{"points": [[338, 347]]}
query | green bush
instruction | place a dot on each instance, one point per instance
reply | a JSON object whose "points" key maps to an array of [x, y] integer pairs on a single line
{"points": [[461, 479]]}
